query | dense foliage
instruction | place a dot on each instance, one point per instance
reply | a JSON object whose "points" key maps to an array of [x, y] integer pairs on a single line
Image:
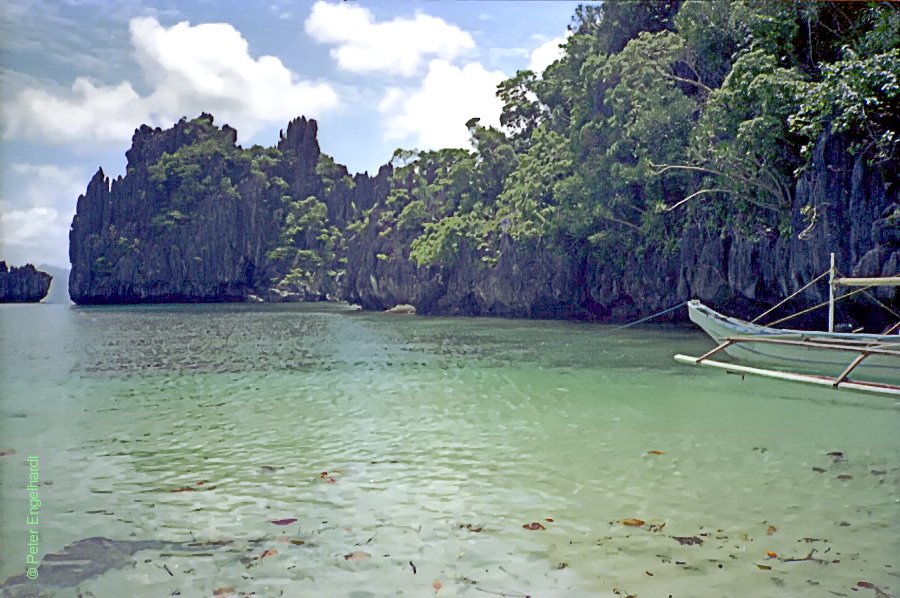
{"points": [[659, 113]]}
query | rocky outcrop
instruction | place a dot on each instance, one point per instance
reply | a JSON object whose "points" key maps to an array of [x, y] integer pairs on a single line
{"points": [[133, 240], [853, 212], [526, 281], [197, 218], [841, 204], [23, 285]]}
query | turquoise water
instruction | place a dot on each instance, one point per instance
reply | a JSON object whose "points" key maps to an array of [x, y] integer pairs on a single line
{"points": [[420, 447]]}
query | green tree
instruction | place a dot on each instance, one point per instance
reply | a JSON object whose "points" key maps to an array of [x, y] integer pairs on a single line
{"points": [[859, 97]]}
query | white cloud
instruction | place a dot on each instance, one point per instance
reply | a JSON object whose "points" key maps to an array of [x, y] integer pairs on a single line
{"points": [[189, 69], [35, 227], [209, 65], [546, 54], [392, 99], [89, 112], [280, 10], [30, 236], [435, 114], [49, 184], [399, 46]]}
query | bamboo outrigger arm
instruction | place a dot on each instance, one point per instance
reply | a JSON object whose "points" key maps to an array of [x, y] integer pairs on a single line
{"points": [[851, 367], [885, 281], [871, 387], [728, 342], [834, 345]]}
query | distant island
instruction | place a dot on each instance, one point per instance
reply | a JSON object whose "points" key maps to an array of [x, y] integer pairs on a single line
{"points": [[669, 154], [23, 285]]}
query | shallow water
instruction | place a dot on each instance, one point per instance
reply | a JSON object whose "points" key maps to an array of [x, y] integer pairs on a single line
{"points": [[421, 446]]}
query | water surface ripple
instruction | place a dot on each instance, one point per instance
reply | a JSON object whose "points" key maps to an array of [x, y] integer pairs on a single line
{"points": [[419, 448]]}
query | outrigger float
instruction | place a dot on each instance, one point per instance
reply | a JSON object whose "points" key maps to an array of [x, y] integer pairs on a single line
{"points": [[841, 360]]}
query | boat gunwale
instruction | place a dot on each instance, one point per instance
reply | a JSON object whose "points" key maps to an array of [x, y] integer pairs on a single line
{"points": [[750, 327], [734, 334]]}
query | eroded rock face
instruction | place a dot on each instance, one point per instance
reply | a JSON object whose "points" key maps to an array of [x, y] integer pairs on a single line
{"points": [[134, 239], [197, 218], [26, 284], [855, 214], [139, 239]]}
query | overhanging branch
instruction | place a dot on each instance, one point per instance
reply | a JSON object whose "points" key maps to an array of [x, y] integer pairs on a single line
{"points": [[695, 194]]}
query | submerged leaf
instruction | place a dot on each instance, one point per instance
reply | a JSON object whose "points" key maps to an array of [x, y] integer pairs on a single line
{"points": [[223, 591], [764, 567], [357, 555], [688, 540], [287, 521]]}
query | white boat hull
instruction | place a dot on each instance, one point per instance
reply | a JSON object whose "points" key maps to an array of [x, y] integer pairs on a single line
{"points": [[804, 356]]}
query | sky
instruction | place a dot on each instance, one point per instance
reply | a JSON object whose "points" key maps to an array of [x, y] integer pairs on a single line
{"points": [[77, 77]]}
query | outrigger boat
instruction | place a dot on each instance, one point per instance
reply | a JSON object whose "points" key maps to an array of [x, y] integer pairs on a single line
{"points": [[855, 361]]}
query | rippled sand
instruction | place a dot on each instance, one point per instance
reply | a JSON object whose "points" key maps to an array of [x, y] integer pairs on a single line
{"points": [[442, 456]]}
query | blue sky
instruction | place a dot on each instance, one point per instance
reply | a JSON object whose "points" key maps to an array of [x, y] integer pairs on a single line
{"points": [[78, 76]]}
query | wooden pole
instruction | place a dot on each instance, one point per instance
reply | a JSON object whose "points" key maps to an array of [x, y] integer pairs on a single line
{"points": [[875, 387], [881, 281], [728, 342], [831, 296], [850, 368]]}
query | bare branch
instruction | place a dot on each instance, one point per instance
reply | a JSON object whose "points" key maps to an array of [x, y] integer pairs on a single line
{"points": [[734, 173], [664, 167], [689, 82], [619, 221], [695, 194]]}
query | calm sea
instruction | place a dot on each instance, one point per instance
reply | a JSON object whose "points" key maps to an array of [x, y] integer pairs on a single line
{"points": [[424, 456]]}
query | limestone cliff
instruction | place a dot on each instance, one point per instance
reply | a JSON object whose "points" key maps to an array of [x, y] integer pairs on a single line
{"points": [[159, 236], [841, 205], [199, 218], [23, 285]]}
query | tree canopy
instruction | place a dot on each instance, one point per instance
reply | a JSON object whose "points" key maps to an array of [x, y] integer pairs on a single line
{"points": [[659, 113]]}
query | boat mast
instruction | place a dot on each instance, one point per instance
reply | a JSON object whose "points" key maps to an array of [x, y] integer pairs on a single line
{"points": [[831, 296]]}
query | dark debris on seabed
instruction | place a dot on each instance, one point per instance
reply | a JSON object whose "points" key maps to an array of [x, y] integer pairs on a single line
{"points": [[90, 558]]}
